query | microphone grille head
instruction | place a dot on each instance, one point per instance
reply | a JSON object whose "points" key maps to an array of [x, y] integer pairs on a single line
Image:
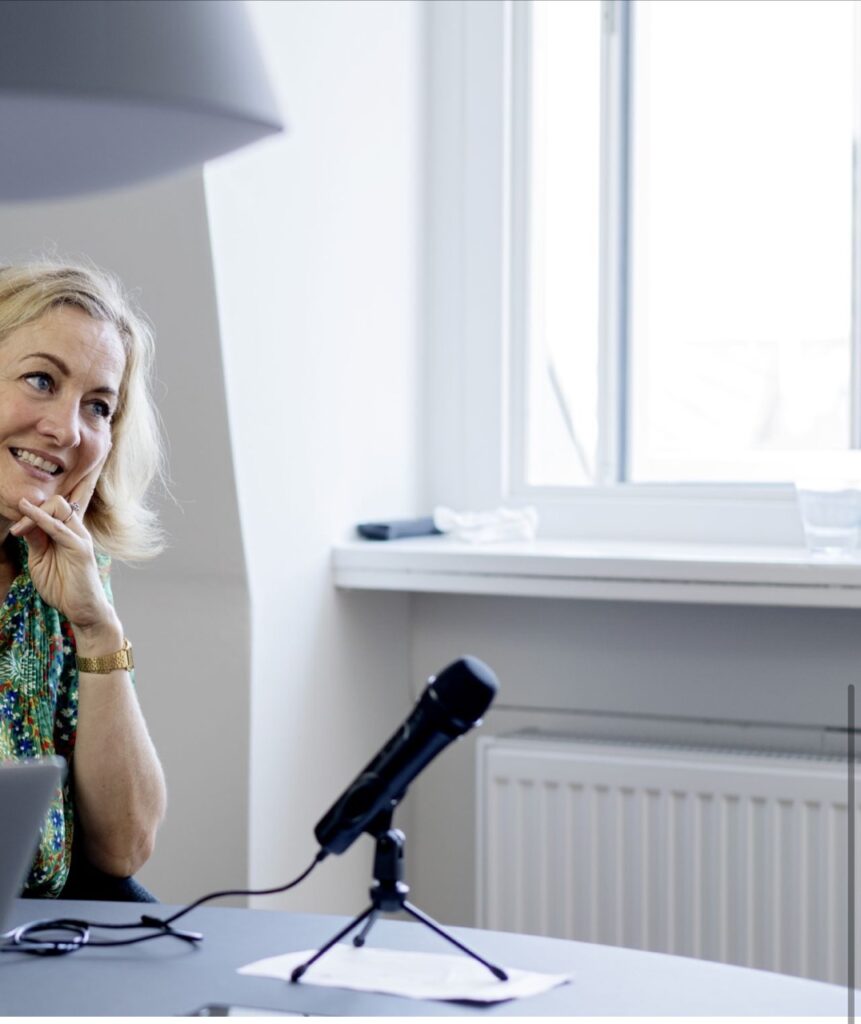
{"points": [[466, 688]]}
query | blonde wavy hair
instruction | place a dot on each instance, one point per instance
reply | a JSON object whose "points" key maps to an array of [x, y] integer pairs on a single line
{"points": [[121, 522]]}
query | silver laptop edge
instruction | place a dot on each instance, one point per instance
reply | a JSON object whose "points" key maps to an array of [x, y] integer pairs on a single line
{"points": [[26, 790]]}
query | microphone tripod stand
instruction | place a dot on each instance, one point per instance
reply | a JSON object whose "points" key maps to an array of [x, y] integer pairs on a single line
{"points": [[389, 894]]}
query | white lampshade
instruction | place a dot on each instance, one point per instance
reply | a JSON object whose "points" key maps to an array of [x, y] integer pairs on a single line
{"points": [[100, 93]]}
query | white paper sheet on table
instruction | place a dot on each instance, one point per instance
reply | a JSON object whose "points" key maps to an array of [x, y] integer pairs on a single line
{"points": [[416, 975]]}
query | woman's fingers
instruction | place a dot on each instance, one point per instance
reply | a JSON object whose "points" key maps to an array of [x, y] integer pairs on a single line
{"points": [[39, 525], [46, 529], [42, 518], [56, 507], [22, 527]]}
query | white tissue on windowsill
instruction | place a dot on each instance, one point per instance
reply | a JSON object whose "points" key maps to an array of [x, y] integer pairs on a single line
{"points": [[488, 527], [399, 973]]}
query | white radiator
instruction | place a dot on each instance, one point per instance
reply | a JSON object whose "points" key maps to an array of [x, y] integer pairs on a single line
{"points": [[727, 856]]}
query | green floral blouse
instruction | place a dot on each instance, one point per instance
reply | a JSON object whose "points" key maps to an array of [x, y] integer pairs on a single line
{"points": [[39, 709]]}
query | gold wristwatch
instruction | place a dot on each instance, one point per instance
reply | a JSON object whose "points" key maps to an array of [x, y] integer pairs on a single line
{"points": [[108, 662]]}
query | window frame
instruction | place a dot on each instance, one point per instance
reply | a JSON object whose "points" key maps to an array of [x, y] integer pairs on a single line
{"points": [[476, 307]]}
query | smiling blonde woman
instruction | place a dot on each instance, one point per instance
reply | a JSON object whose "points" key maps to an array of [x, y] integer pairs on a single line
{"points": [[79, 449]]}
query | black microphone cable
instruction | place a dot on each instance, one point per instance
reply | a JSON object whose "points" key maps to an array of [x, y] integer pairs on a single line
{"points": [[451, 704], [33, 938]]}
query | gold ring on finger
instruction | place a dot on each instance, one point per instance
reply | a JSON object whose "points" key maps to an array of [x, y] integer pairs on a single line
{"points": [[73, 508]]}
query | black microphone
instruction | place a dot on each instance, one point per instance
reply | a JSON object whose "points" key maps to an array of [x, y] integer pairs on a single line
{"points": [[452, 703]]}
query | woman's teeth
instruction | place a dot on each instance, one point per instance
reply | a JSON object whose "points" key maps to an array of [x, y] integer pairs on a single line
{"points": [[35, 460]]}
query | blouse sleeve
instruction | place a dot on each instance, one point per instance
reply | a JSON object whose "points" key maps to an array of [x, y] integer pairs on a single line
{"points": [[103, 562]]}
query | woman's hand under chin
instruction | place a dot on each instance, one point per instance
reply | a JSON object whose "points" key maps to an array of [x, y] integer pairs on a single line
{"points": [[62, 559]]}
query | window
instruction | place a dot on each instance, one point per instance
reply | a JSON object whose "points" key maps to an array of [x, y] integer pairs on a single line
{"points": [[726, 175], [561, 189], [641, 241]]}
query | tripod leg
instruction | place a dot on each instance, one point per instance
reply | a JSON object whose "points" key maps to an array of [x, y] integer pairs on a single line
{"points": [[300, 970], [497, 972], [359, 940]]}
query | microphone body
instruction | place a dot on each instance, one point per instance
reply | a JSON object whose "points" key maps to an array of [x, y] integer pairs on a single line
{"points": [[451, 704]]}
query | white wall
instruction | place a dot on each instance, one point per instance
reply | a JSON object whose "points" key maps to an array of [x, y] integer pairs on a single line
{"points": [[316, 242]]}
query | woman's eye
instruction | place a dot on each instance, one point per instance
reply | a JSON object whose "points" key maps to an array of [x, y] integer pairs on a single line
{"points": [[40, 381], [101, 409]]}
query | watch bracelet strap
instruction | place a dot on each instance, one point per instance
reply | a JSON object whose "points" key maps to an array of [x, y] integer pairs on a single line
{"points": [[121, 659]]}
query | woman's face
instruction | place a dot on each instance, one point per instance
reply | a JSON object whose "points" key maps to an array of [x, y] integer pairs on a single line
{"points": [[59, 380]]}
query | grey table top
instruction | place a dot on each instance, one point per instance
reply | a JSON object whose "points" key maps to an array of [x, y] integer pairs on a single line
{"points": [[165, 977]]}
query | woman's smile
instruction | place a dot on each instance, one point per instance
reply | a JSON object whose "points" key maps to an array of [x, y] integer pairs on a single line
{"points": [[39, 464]]}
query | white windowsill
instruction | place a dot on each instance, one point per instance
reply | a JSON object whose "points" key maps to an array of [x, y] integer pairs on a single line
{"points": [[601, 570]]}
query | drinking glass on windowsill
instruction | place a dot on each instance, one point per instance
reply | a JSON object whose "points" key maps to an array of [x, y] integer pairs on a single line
{"points": [[828, 488]]}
